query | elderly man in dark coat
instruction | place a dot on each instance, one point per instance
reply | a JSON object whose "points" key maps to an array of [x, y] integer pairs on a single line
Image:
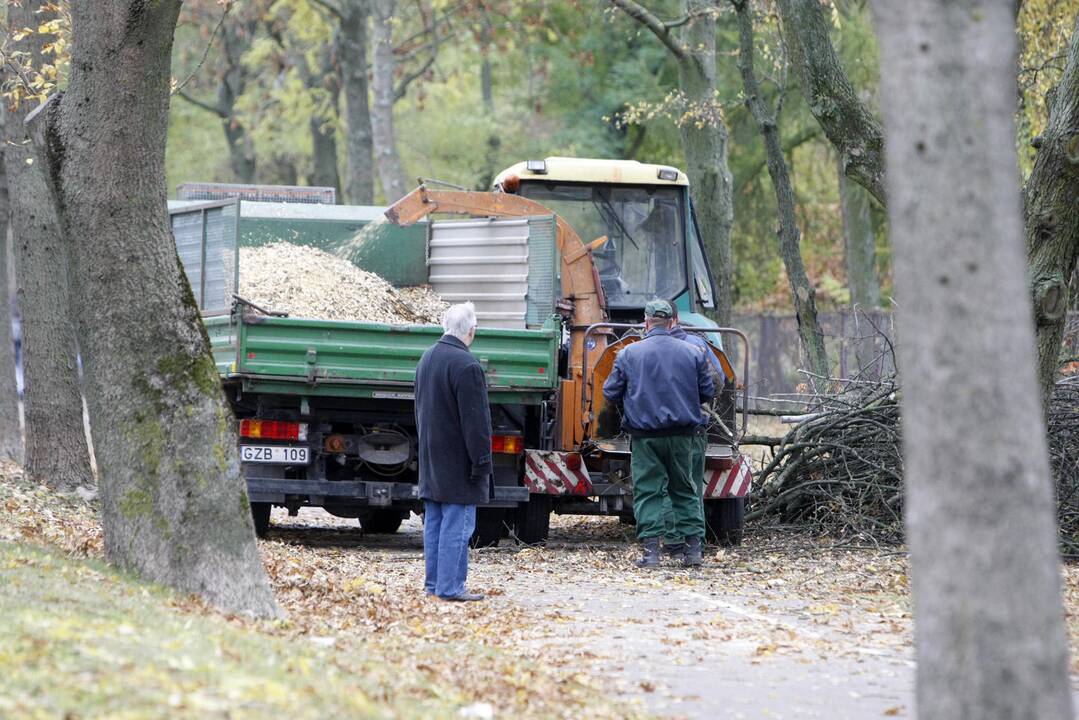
{"points": [[454, 424]]}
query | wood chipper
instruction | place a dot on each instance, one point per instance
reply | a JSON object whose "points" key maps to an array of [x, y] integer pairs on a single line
{"points": [[559, 260], [625, 233]]}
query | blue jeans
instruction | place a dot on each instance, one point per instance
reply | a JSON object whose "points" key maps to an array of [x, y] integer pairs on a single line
{"points": [[447, 529]]}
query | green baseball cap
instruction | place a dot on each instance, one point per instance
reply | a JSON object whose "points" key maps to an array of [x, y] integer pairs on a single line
{"points": [[659, 309]]}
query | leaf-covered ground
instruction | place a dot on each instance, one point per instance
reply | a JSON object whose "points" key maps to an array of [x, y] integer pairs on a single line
{"points": [[785, 626]]}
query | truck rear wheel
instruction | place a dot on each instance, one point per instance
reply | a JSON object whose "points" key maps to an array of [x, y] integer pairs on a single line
{"points": [[260, 513], [489, 525], [533, 519], [381, 522], [725, 521]]}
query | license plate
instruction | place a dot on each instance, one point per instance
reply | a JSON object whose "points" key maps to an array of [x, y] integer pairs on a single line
{"points": [[274, 454]]}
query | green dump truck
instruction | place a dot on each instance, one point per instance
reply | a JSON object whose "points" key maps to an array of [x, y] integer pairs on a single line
{"points": [[326, 408]]}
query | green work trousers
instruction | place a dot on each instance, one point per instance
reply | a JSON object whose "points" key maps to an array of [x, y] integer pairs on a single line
{"points": [[664, 468], [670, 531]]}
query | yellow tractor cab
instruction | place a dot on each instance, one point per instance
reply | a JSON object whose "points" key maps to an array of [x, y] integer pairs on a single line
{"points": [[654, 247]]}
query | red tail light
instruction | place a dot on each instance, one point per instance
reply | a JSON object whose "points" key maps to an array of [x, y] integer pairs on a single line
{"points": [[508, 444], [273, 430]]}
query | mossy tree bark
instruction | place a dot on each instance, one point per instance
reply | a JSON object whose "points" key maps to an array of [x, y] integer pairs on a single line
{"points": [[174, 504], [1052, 217], [803, 294], [56, 451], [989, 629], [11, 443], [704, 134]]}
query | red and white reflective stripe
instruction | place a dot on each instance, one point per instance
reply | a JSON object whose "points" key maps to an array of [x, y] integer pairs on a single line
{"points": [[547, 473], [733, 482]]}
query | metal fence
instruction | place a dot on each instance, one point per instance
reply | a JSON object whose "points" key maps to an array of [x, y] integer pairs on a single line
{"points": [[856, 342]]}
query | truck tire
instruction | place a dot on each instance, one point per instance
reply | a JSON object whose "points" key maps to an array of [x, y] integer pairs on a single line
{"points": [[489, 523], [533, 520], [725, 521], [260, 513], [630, 519], [381, 522]]}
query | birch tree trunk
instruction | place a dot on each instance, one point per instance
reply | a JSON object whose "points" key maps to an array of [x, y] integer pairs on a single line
{"points": [[352, 47], [803, 294], [383, 69], [11, 445], [989, 632], [174, 503], [1052, 217], [56, 453]]}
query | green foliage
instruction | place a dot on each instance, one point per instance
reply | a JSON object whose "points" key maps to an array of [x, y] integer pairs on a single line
{"points": [[569, 77]]}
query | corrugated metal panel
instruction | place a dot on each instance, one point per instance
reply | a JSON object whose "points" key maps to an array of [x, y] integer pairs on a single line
{"points": [[263, 193], [485, 261], [206, 243], [543, 281]]}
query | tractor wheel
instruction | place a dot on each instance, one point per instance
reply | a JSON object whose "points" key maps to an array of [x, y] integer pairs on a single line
{"points": [[381, 522], [533, 522], [260, 513], [725, 521], [489, 522]]}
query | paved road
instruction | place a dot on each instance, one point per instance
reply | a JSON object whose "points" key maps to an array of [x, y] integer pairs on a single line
{"points": [[760, 632]]}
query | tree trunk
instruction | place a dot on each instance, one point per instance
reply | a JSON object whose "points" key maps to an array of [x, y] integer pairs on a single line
{"points": [[56, 451], [802, 292], [859, 244], [1052, 217], [847, 122], [989, 632], [323, 135], [494, 142], [705, 148], [383, 67], [236, 39], [352, 47], [704, 139], [11, 445], [174, 504]]}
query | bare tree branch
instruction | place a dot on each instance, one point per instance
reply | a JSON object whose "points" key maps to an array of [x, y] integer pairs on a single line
{"points": [[330, 8], [201, 104], [641, 14]]}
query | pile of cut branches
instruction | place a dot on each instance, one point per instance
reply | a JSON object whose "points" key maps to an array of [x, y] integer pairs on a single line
{"points": [[840, 469]]}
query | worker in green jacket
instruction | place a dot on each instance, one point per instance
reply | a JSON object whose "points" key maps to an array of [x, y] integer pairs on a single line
{"points": [[662, 382]]}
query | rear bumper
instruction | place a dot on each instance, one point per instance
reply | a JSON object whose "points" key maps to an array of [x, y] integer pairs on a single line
{"points": [[360, 492]]}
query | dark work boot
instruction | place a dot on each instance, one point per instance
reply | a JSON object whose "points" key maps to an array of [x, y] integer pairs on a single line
{"points": [[692, 557], [650, 558], [676, 550]]}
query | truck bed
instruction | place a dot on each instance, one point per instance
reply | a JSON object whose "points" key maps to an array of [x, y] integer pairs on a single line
{"points": [[325, 357]]}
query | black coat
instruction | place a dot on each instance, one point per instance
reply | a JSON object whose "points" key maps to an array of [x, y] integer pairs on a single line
{"points": [[454, 424]]}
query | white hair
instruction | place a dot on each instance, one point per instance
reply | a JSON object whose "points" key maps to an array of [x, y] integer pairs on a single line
{"points": [[459, 320]]}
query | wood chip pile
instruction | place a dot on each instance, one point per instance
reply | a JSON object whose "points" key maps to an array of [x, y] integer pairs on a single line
{"points": [[308, 282]]}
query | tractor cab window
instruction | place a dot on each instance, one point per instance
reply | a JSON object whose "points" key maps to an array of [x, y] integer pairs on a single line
{"points": [[644, 256], [702, 274]]}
